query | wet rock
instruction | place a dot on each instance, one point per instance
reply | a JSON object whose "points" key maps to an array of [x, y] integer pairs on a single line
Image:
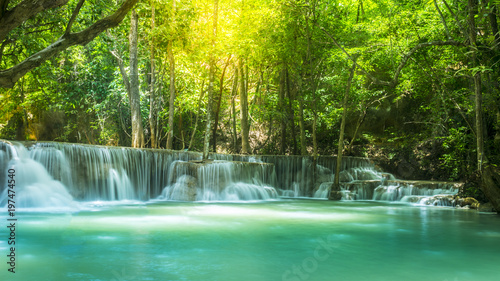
{"points": [[468, 201], [486, 207], [359, 190], [184, 189], [335, 195]]}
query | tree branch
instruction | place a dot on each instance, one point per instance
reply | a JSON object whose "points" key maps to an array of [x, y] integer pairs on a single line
{"points": [[126, 80], [443, 20], [10, 76], [418, 47], [23, 11], [2, 47], [73, 16], [462, 30]]}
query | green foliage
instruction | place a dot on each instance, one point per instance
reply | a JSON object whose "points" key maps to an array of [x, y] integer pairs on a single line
{"points": [[457, 153]]}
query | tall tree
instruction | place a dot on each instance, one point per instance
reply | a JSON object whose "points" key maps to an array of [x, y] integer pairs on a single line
{"points": [[134, 94], [336, 180], [281, 109], [211, 78], [234, 92], [131, 82], [171, 104], [245, 144], [219, 100], [153, 98]]}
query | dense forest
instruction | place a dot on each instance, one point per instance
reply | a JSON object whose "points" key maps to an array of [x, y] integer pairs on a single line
{"points": [[414, 84]]}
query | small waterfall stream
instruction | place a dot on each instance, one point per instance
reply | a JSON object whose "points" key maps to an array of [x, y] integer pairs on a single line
{"points": [[65, 171]]}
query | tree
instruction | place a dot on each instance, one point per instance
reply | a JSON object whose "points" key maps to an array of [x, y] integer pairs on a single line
{"points": [[171, 61], [154, 104], [14, 17], [132, 83], [336, 183], [211, 78], [245, 144]]}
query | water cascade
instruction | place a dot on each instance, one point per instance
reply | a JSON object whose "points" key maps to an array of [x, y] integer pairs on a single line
{"points": [[220, 180], [368, 184], [300, 176], [34, 186], [89, 173]]}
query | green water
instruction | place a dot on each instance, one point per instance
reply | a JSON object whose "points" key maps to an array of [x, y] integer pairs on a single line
{"points": [[280, 240]]}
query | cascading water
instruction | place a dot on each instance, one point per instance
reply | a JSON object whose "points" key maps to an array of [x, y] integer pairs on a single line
{"points": [[34, 187], [220, 181], [405, 191], [366, 183], [301, 176], [90, 173]]}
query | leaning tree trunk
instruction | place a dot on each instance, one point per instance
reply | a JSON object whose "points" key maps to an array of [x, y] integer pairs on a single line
{"points": [[134, 96], [217, 110], [245, 145]]}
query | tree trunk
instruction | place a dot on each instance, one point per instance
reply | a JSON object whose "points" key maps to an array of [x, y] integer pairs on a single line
{"points": [[245, 145], [153, 114], [281, 104], [211, 78], [336, 180], [202, 91], [361, 119], [303, 147], [490, 182], [497, 134], [233, 110], [171, 105], [134, 95], [208, 125], [181, 131], [291, 112], [472, 7], [494, 26], [221, 89]]}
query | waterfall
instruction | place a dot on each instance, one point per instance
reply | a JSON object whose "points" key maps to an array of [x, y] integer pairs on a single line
{"points": [[220, 180], [91, 173], [366, 183], [33, 186], [297, 176]]}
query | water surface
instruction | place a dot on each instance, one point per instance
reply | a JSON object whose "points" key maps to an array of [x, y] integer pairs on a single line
{"points": [[271, 240]]}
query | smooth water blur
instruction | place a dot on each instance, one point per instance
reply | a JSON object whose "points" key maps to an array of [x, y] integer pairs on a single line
{"points": [[276, 240]]}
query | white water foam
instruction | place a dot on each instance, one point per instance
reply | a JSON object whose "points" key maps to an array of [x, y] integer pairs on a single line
{"points": [[33, 186]]}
